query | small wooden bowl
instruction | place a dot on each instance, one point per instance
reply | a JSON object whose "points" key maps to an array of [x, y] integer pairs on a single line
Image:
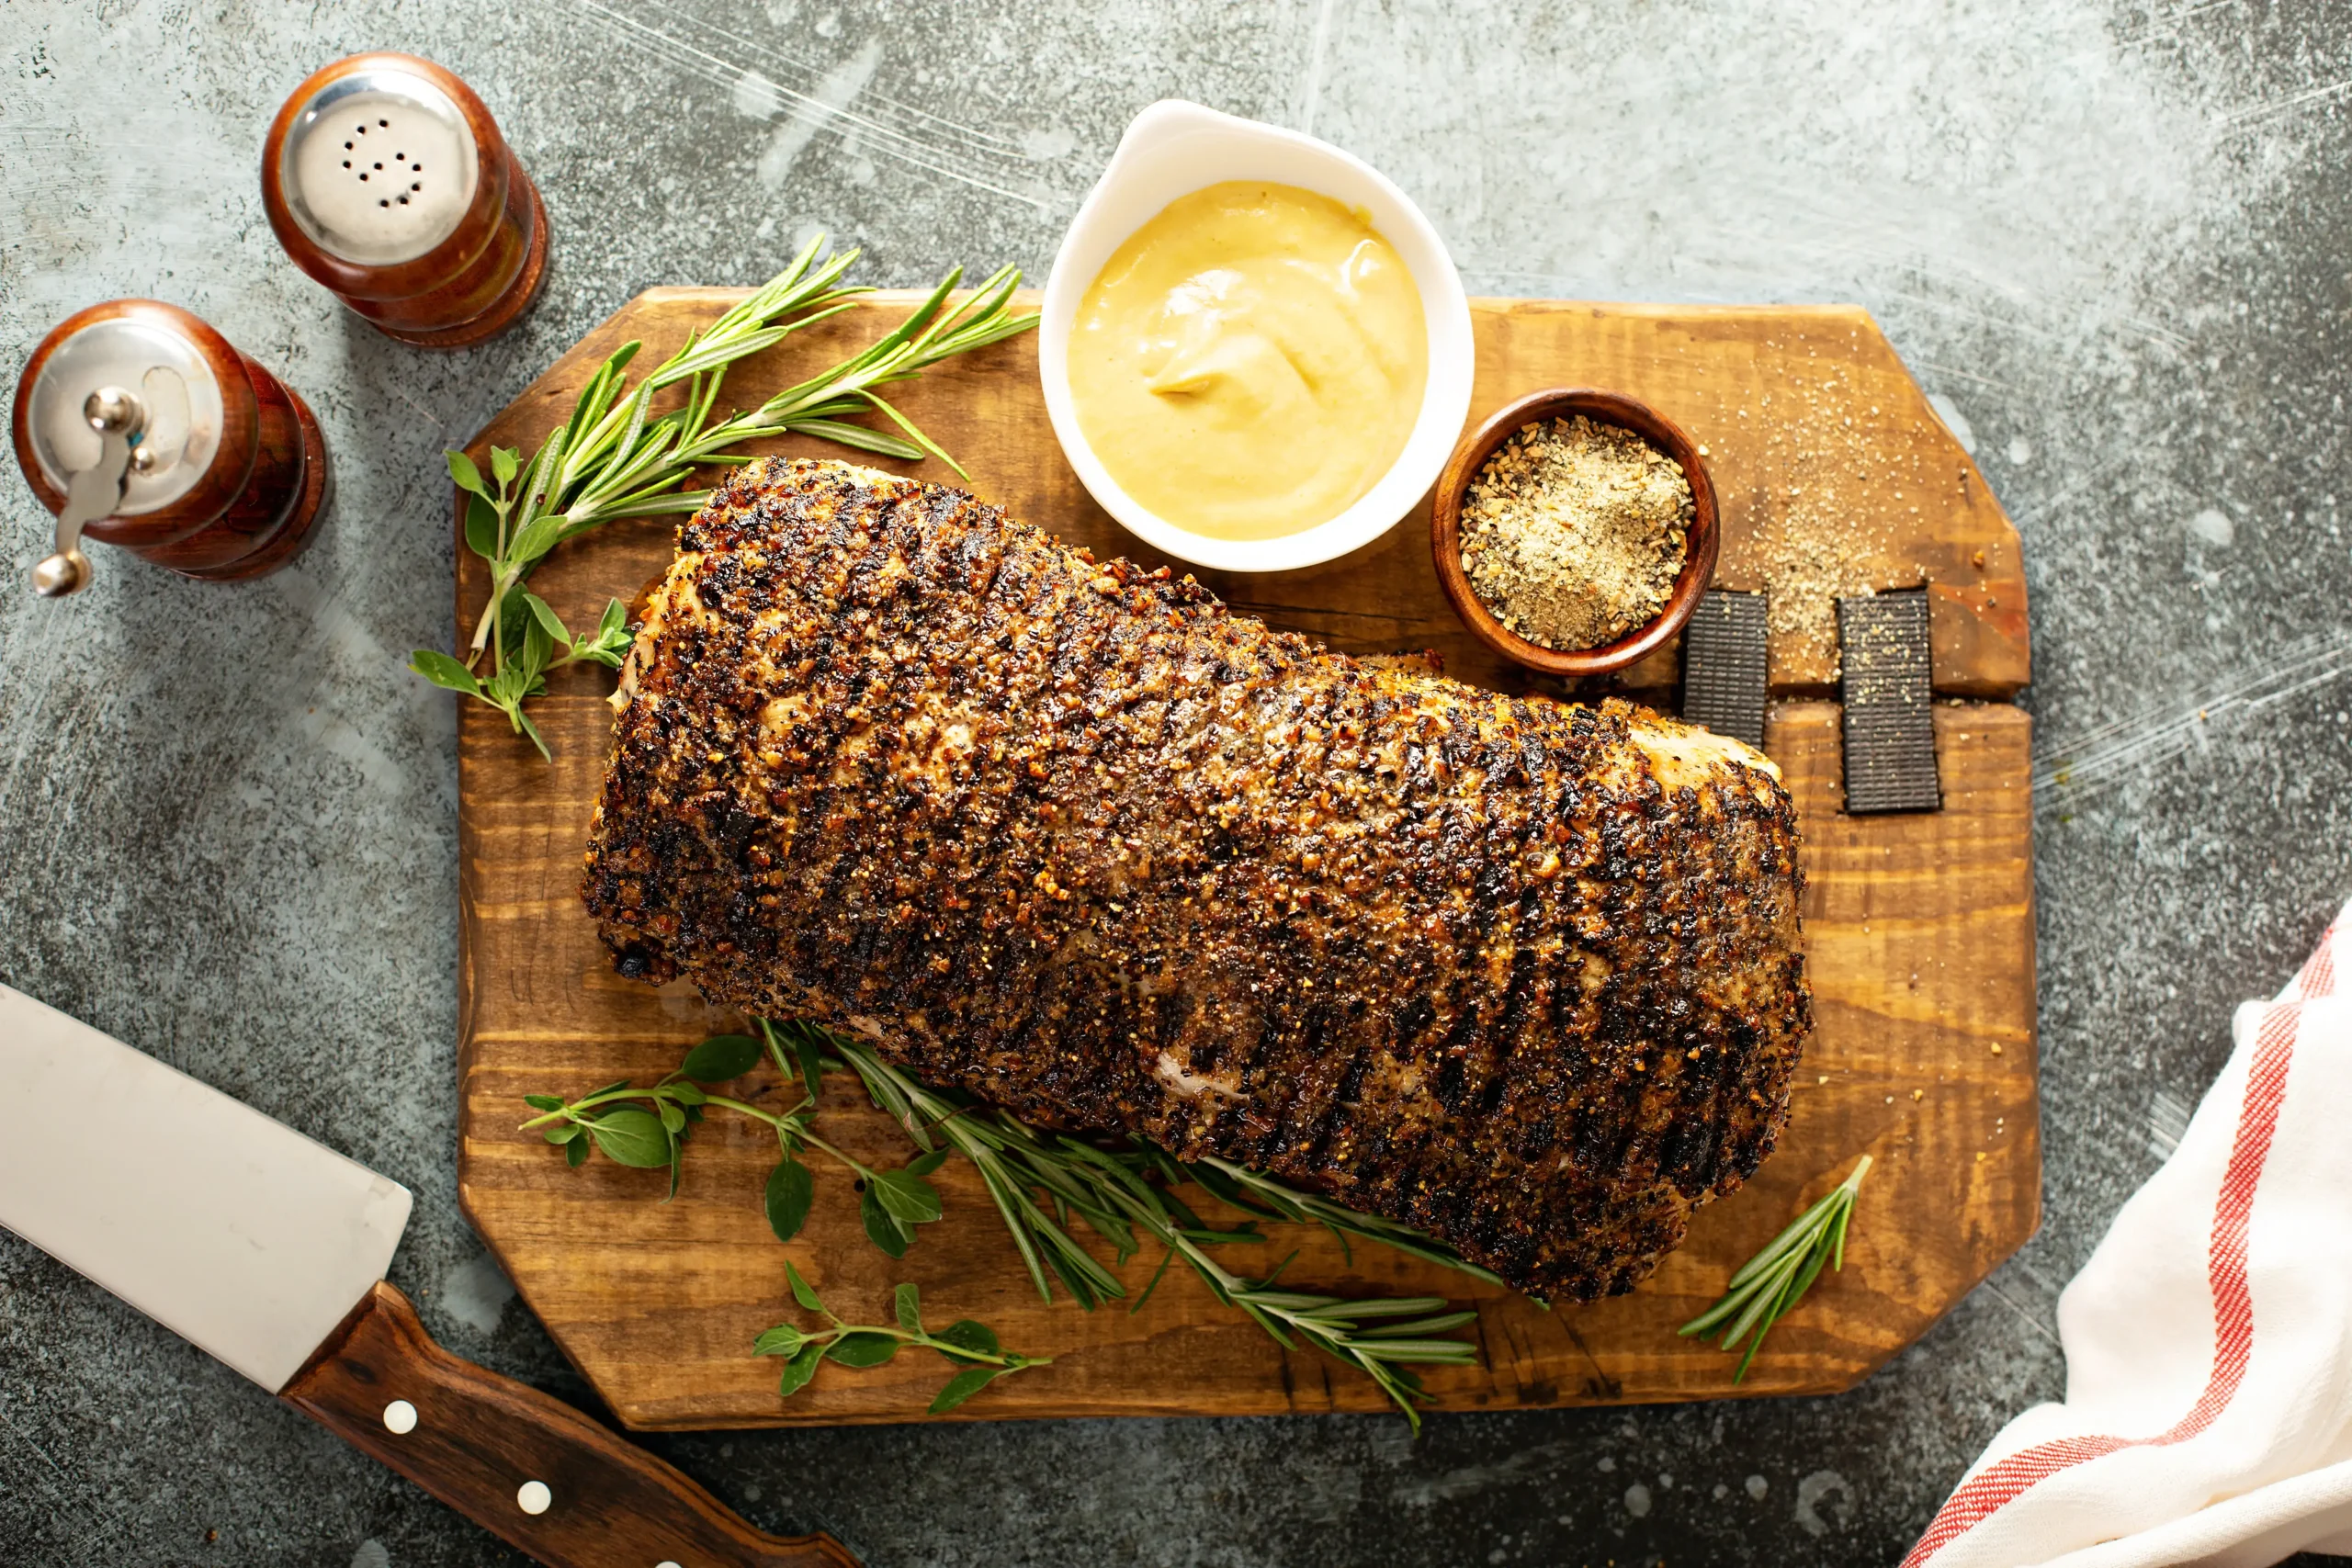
{"points": [[1603, 408]]}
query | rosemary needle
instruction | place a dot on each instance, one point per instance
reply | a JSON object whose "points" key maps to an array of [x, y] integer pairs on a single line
{"points": [[1770, 1283]]}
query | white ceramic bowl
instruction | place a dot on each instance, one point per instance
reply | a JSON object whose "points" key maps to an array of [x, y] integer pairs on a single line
{"points": [[1174, 147]]}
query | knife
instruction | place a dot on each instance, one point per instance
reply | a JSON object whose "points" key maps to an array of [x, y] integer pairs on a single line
{"points": [[269, 1251]]}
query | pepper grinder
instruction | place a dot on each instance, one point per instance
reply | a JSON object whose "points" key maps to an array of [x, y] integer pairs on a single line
{"points": [[385, 180], [140, 426]]}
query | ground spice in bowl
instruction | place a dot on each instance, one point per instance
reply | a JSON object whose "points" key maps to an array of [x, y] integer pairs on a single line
{"points": [[1574, 532]]}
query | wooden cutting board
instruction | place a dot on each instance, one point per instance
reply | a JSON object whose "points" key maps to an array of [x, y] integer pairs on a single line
{"points": [[1834, 475]]}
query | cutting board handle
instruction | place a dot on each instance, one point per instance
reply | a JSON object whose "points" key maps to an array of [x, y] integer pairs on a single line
{"points": [[523, 1465]]}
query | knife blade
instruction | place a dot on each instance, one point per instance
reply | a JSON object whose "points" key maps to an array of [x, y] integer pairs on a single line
{"points": [[269, 1251]]}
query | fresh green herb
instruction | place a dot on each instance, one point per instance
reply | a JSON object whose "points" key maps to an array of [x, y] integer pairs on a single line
{"points": [[970, 1347], [1042, 1182], [1382, 1337], [1255, 1193], [1769, 1284], [1122, 1191], [612, 458], [1001, 1148], [648, 1127]]}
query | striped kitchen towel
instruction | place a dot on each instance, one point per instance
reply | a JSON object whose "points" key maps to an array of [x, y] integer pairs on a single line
{"points": [[2208, 1417]]}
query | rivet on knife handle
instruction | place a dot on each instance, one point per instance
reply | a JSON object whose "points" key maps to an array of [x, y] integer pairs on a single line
{"points": [[523, 1465]]}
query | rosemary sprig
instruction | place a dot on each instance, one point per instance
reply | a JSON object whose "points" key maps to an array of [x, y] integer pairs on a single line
{"points": [[1255, 1193], [1357, 1333], [1770, 1283], [612, 458], [971, 1347]]}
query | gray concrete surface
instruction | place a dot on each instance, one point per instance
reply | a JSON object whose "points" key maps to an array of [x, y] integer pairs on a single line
{"points": [[2110, 237]]}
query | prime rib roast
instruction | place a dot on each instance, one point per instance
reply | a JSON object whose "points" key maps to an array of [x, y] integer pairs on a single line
{"points": [[1077, 839]]}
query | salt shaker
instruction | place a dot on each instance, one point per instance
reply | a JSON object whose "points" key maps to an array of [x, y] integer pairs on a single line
{"points": [[387, 180], [142, 427]]}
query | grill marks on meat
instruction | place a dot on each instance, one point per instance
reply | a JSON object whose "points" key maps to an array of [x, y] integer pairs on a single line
{"points": [[1526, 975]]}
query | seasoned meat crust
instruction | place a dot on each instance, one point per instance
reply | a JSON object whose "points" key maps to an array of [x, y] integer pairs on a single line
{"points": [[1077, 839]]}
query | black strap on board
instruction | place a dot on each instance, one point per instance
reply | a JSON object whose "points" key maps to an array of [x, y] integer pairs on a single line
{"points": [[1724, 666], [1887, 682]]}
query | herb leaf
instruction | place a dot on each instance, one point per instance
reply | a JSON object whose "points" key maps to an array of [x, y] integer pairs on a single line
{"points": [[482, 526], [972, 1338], [813, 1063], [802, 1291], [882, 1227], [444, 671], [963, 1385], [468, 478], [907, 1300], [631, 1138], [799, 1370], [791, 1189], [908, 1197], [784, 1339], [549, 621], [720, 1058]]}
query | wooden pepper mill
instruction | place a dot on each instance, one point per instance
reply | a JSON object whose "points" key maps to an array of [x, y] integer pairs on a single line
{"points": [[141, 427], [385, 179]]}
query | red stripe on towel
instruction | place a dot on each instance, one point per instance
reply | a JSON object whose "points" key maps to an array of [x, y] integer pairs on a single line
{"points": [[2265, 1090]]}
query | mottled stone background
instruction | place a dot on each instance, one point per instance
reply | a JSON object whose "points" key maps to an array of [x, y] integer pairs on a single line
{"points": [[2110, 238]]}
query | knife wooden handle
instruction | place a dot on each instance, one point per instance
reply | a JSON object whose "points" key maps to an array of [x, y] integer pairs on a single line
{"points": [[523, 1465]]}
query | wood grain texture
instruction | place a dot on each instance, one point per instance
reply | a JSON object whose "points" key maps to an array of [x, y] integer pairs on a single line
{"points": [[1920, 932], [478, 1439]]}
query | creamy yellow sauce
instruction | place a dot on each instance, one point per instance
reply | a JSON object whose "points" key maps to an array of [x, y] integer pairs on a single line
{"points": [[1249, 362]]}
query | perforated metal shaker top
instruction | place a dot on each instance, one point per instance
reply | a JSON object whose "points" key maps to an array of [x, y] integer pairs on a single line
{"points": [[379, 167]]}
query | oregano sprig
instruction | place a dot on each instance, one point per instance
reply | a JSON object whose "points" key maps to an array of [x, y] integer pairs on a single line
{"points": [[614, 457], [653, 1133], [1769, 1284], [968, 1345]]}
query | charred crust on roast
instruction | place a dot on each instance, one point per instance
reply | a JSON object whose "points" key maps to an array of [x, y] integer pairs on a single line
{"points": [[1072, 836]]}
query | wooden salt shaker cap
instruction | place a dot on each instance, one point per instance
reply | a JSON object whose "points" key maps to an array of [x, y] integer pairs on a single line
{"points": [[387, 180], [204, 462]]}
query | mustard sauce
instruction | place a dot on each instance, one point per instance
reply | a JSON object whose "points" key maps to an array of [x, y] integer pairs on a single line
{"points": [[1249, 362]]}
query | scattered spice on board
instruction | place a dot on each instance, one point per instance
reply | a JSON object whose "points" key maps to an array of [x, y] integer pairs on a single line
{"points": [[1574, 532]]}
